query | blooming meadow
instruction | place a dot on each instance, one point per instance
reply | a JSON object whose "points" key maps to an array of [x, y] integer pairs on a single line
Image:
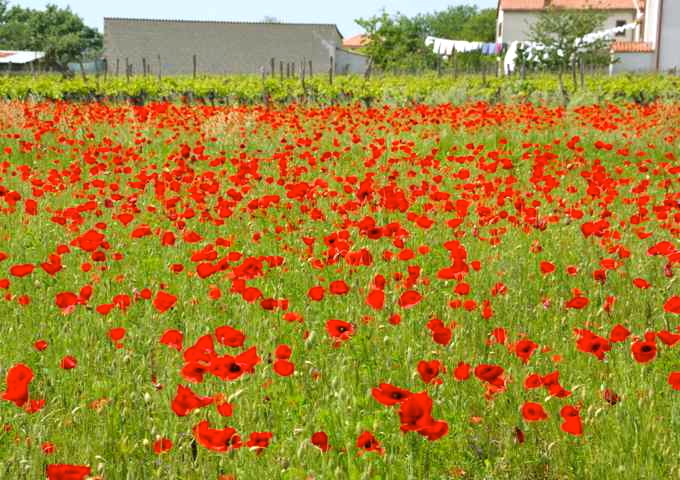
{"points": [[475, 291]]}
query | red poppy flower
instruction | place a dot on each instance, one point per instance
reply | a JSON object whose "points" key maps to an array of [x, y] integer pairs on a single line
{"points": [[533, 412], [524, 349], [284, 368], [668, 338], [462, 371], [67, 472], [435, 430], [610, 396], [389, 394], [64, 300], [259, 441], [376, 299], [47, 448], [672, 305], [429, 371], [674, 380], [214, 439], [577, 302], [366, 442], [643, 352], [409, 299], [68, 362], [547, 267], [18, 379], [316, 293], [339, 329], [533, 381], [591, 343], [231, 368], [488, 373], [229, 336], [40, 345], [116, 334], [572, 420], [186, 401], [415, 412], [338, 287], [173, 339], [162, 445], [320, 440], [619, 333], [164, 301], [21, 270]]}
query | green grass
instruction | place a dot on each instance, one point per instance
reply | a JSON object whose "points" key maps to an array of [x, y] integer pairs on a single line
{"points": [[331, 388]]}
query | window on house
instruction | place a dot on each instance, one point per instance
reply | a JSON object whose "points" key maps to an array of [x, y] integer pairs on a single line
{"points": [[620, 23]]}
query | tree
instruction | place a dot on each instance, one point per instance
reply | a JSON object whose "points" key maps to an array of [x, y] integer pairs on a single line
{"points": [[560, 31], [398, 42], [58, 32]]}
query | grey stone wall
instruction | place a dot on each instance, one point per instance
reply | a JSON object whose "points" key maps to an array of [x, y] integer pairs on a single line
{"points": [[350, 62], [220, 47]]}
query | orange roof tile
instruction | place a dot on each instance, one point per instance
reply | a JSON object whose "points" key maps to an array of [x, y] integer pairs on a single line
{"points": [[632, 47], [356, 41], [572, 4]]}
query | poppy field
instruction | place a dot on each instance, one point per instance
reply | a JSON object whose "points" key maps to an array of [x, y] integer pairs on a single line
{"points": [[311, 292]]}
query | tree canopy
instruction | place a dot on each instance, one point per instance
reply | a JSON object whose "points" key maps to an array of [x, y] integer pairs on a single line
{"points": [[397, 41], [58, 32]]}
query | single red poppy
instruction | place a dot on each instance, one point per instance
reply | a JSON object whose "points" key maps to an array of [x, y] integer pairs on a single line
{"points": [[533, 412]]}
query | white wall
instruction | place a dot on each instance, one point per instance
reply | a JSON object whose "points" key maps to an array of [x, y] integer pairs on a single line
{"points": [[669, 52], [517, 24], [634, 62]]}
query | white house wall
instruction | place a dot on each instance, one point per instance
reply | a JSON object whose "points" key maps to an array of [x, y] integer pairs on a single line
{"points": [[669, 53], [517, 24], [634, 62]]}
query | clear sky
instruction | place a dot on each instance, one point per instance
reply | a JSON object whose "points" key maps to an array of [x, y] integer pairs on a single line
{"points": [[340, 12]]}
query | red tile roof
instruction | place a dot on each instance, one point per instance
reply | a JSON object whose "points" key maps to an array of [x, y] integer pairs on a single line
{"points": [[632, 47], [356, 41], [6, 54], [572, 4]]}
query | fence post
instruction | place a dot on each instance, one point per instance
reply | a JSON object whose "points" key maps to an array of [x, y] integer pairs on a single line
{"points": [[310, 69], [127, 69], [106, 69], [273, 66], [160, 68], [195, 65], [287, 69], [117, 66], [281, 69], [455, 64], [303, 68], [144, 65], [331, 71]]}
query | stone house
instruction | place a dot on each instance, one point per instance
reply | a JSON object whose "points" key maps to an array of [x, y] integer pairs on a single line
{"points": [[223, 47]]}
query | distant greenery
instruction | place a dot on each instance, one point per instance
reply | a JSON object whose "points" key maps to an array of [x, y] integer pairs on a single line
{"points": [[398, 41], [58, 32], [390, 89]]}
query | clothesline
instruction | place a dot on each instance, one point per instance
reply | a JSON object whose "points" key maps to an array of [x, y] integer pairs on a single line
{"points": [[538, 51], [533, 50], [444, 46]]}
